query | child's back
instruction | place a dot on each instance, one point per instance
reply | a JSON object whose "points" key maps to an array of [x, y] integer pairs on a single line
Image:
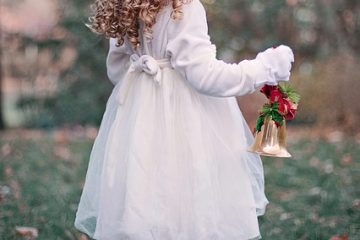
{"points": [[170, 159]]}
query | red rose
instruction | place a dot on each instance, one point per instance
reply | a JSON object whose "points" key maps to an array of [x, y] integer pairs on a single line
{"points": [[291, 112], [290, 115], [267, 89], [275, 95], [282, 107], [285, 106]]}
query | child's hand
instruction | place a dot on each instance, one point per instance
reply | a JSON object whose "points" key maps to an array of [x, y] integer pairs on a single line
{"points": [[278, 60]]}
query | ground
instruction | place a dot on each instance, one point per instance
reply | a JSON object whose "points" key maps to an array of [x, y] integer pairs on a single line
{"points": [[314, 195]]}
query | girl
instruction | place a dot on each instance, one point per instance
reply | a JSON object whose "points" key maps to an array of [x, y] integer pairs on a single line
{"points": [[170, 159]]}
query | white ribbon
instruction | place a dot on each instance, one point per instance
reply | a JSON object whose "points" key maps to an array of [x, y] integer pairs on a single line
{"points": [[144, 63], [147, 64]]}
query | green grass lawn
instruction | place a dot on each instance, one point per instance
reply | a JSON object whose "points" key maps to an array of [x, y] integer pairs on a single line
{"points": [[314, 195]]}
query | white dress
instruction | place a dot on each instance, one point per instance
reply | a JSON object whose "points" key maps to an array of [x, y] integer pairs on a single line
{"points": [[170, 159]]}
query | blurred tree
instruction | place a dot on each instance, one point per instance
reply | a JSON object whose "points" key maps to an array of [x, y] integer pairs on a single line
{"points": [[313, 28], [83, 87], [2, 126], [319, 31], [325, 36]]}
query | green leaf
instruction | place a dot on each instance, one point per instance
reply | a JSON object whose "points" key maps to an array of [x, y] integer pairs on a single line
{"points": [[259, 122], [269, 110], [288, 90], [277, 117]]}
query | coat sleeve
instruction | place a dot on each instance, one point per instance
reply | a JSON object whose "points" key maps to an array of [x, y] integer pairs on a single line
{"points": [[117, 61], [194, 56]]}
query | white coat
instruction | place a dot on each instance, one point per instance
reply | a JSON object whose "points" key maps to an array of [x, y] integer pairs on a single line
{"points": [[170, 161]]}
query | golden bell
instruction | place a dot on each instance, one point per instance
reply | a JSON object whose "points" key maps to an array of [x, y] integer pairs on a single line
{"points": [[270, 141]]}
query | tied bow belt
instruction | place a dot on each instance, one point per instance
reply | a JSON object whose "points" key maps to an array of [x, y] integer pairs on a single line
{"points": [[144, 63]]}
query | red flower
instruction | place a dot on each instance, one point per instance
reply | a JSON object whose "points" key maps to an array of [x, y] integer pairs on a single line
{"points": [[275, 95], [267, 89], [285, 106], [292, 111], [282, 105], [290, 115]]}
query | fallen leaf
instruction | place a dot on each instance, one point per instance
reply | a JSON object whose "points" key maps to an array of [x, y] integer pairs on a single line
{"points": [[285, 216], [328, 167], [356, 203], [83, 237], [91, 132], [340, 237], [346, 159], [15, 188], [60, 136], [8, 171], [29, 232], [4, 191], [315, 191], [335, 136], [62, 152], [6, 149]]}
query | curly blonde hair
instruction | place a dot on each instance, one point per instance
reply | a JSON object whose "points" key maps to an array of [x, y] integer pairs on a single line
{"points": [[116, 18]]}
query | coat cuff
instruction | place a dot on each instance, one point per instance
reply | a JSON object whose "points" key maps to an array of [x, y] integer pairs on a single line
{"points": [[265, 74]]}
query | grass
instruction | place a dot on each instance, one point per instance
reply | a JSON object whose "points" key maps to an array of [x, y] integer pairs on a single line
{"points": [[45, 186], [314, 195]]}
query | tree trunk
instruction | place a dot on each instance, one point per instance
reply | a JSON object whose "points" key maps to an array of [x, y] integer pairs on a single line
{"points": [[2, 125]]}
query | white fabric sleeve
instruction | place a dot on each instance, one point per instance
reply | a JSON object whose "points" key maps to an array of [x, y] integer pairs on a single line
{"points": [[194, 56], [117, 61]]}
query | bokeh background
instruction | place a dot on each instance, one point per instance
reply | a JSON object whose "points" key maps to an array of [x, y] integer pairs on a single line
{"points": [[53, 91]]}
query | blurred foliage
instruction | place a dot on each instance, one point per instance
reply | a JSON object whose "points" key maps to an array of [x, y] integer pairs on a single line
{"points": [[83, 87], [42, 185], [312, 196], [324, 35], [330, 94], [312, 28]]}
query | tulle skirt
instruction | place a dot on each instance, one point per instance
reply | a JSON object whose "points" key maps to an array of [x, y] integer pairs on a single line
{"points": [[171, 164]]}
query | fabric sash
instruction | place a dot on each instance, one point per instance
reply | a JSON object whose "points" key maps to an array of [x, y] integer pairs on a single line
{"points": [[146, 64]]}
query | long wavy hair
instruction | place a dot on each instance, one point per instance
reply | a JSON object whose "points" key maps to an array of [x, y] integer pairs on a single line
{"points": [[116, 18]]}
